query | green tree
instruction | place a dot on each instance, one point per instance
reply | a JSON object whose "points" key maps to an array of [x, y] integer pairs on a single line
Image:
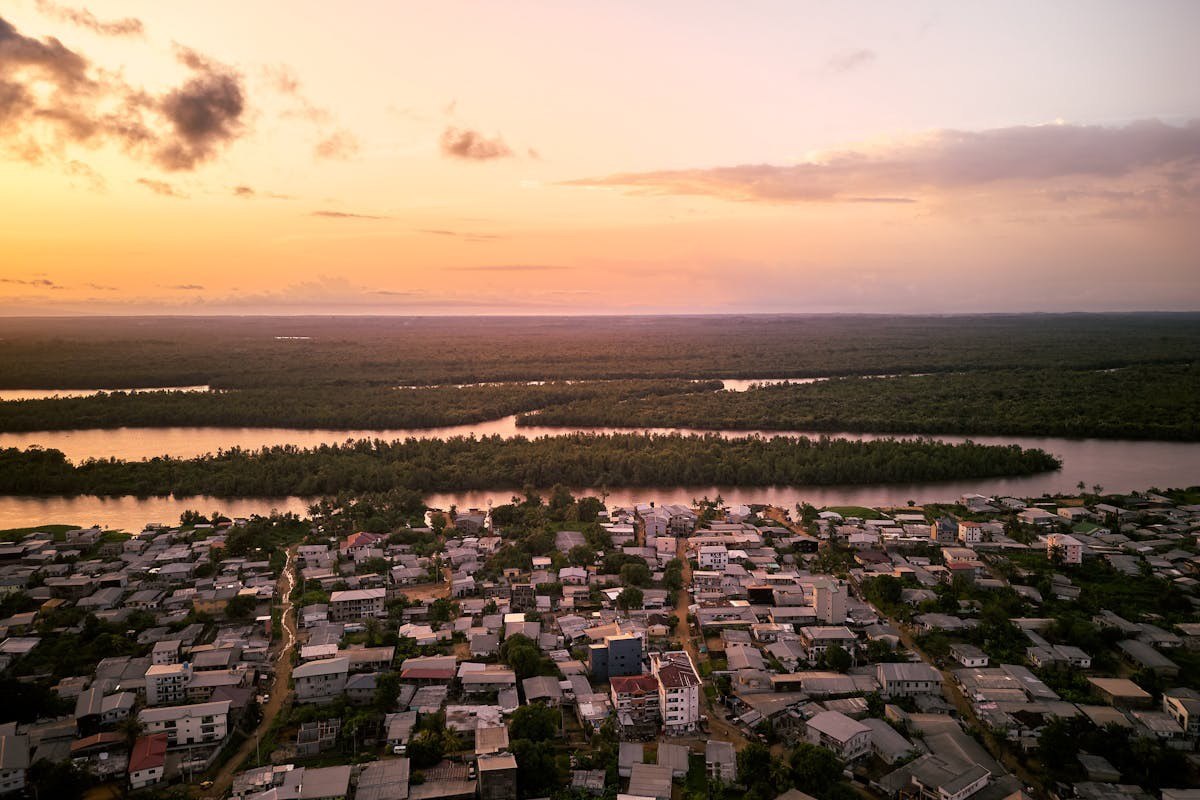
{"points": [[635, 574], [535, 722], [630, 597], [581, 556], [814, 769], [836, 658]]}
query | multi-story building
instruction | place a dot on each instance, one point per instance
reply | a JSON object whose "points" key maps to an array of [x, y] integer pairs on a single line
{"points": [[522, 597], [1071, 548], [201, 723], [354, 604], [498, 777], [829, 600], [846, 737], [14, 759], [970, 533], [816, 639], [167, 684], [636, 705], [713, 557], [322, 680], [678, 691], [617, 655]]}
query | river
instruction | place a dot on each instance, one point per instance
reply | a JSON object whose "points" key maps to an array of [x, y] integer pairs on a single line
{"points": [[1118, 466]]}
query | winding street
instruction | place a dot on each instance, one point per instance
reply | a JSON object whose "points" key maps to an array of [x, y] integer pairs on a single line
{"points": [[280, 688]]}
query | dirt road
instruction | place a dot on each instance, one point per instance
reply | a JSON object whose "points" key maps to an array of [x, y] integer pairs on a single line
{"points": [[280, 689], [718, 728]]}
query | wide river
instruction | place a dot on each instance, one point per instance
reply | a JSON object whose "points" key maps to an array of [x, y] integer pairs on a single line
{"points": [[1118, 466]]}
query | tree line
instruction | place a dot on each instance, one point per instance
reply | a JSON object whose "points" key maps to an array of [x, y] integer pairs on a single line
{"points": [[320, 406], [1138, 402], [495, 462]]}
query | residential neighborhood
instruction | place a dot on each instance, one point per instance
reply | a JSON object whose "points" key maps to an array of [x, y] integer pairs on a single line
{"points": [[990, 648]]}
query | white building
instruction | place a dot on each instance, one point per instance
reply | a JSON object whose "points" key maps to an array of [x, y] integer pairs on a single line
{"points": [[321, 680], [167, 684], [200, 723], [1072, 548], [829, 600], [713, 557], [678, 691], [846, 737]]}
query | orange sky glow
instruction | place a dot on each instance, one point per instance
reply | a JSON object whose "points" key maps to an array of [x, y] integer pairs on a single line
{"points": [[568, 158]]}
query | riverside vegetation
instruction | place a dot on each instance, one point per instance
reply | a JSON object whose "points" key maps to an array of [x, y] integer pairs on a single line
{"points": [[495, 462]]}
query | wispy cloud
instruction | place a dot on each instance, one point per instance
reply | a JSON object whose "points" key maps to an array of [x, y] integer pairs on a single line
{"points": [[510, 268], [161, 187], [849, 60], [341, 144], [344, 215], [470, 145], [466, 236], [186, 287], [127, 26], [947, 161], [43, 283]]}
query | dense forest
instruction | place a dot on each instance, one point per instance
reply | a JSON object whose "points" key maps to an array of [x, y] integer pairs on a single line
{"points": [[272, 352], [493, 462], [1143, 402], [321, 406]]}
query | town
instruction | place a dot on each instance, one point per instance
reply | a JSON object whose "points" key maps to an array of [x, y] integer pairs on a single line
{"points": [[993, 648]]}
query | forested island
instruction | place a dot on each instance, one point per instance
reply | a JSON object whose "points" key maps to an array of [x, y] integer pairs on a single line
{"points": [[1143, 402], [323, 406], [583, 460]]}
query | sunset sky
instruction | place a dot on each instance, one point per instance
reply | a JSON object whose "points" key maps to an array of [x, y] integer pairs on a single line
{"points": [[604, 157]]}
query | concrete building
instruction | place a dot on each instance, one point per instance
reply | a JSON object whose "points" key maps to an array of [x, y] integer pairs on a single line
{"points": [[322, 680], [200, 723], [678, 691], [635, 703], [833, 730], [167, 684], [497, 777], [355, 604], [908, 679], [617, 655], [1070, 547], [720, 761]]}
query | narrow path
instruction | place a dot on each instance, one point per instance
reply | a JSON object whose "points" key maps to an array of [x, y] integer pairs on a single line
{"points": [[280, 689]]}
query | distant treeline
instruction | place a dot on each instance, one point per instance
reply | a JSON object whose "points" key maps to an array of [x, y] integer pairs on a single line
{"points": [[494, 463], [275, 352], [1143, 402], [337, 407]]}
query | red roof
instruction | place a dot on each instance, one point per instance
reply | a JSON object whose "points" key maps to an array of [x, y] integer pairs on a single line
{"points": [[362, 539], [677, 676], [634, 684], [148, 752]]}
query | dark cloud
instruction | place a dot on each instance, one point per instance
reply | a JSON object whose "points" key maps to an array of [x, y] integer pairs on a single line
{"points": [[945, 160], [850, 60], [52, 97], [243, 191], [206, 112], [161, 187], [340, 145], [128, 26], [344, 215], [472, 145]]}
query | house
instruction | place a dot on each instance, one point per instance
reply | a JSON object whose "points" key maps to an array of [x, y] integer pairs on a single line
{"points": [[199, 723], [970, 533], [678, 691], [833, 730], [903, 679], [1144, 656], [720, 761], [713, 557], [886, 741], [1183, 705], [14, 759], [1038, 517], [969, 655], [1121, 692], [322, 680], [356, 604], [1070, 548], [384, 780], [147, 761], [817, 639], [650, 781], [543, 689]]}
